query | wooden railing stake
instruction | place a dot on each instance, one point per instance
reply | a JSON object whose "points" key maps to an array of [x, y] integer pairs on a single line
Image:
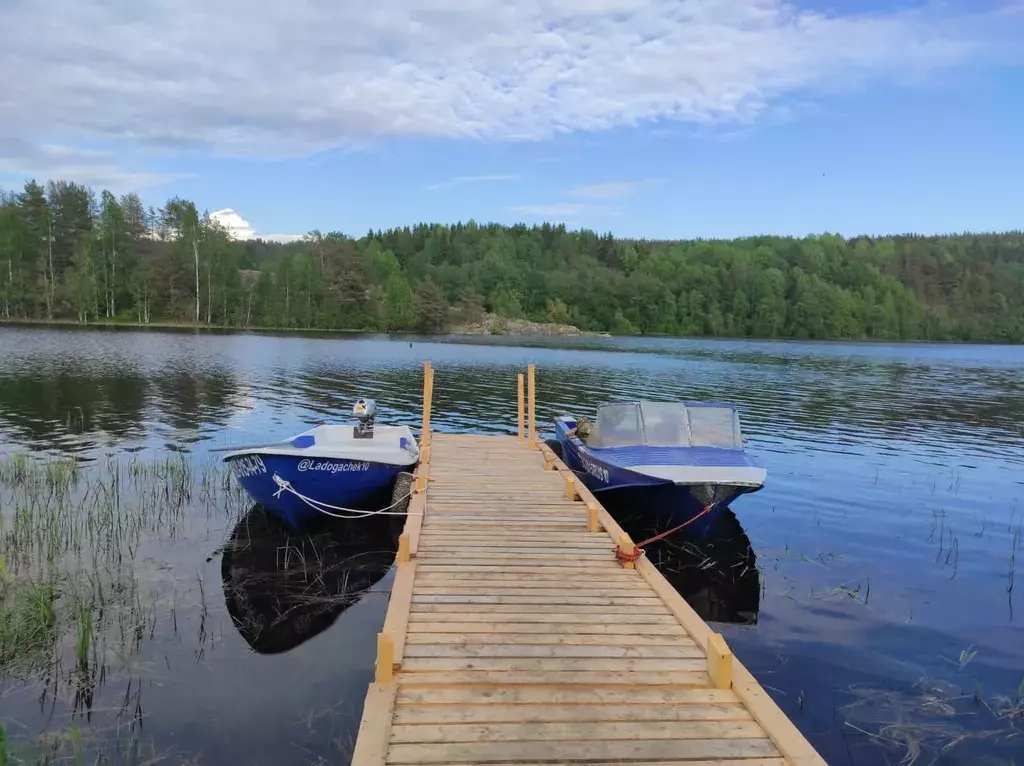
{"points": [[533, 401], [521, 406], [428, 401], [629, 548], [385, 659], [719, 662], [570, 486]]}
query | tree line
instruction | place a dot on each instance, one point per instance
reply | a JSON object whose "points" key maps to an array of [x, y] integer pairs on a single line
{"points": [[67, 254]]}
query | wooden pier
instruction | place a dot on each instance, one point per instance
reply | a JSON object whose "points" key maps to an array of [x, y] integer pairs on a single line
{"points": [[515, 635]]}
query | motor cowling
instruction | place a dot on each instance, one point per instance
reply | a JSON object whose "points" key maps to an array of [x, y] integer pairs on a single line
{"points": [[365, 411]]}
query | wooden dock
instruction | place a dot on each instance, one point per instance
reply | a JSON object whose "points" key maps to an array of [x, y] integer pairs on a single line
{"points": [[515, 635]]}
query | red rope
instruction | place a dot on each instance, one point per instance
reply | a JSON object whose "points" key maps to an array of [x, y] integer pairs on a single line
{"points": [[638, 548]]}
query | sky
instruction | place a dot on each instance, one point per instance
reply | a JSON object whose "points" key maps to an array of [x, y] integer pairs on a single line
{"points": [[646, 118]]}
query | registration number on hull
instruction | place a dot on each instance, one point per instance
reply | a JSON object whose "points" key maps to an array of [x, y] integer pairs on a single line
{"points": [[249, 465], [593, 468]]}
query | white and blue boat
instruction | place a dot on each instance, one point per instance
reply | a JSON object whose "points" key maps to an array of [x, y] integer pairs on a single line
{"points": [[676, 457], [334, 470]]}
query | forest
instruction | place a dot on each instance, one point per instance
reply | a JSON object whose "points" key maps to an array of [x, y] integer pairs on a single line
{"points": [[68, 254]]}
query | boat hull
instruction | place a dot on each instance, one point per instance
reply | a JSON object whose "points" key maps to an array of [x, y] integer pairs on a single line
{"points": [[626, 492], [337, 482]]}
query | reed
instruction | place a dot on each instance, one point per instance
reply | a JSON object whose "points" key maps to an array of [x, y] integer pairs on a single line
{"points": [[74, 615]]}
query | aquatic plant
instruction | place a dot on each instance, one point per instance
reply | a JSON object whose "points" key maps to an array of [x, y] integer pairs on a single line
{"points": [[73, 615]]}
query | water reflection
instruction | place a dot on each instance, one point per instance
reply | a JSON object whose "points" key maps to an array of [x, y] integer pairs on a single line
{"points": [[712, 565], [283, 588]]}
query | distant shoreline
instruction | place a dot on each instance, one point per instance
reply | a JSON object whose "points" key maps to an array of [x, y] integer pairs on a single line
{"points": [[466, 332]]}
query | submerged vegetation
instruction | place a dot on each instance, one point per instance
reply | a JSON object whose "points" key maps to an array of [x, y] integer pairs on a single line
{"points": [[64, 254]]}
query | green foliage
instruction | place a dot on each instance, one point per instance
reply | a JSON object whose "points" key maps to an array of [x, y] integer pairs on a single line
{"points": [[28, 624], [65, 255]]}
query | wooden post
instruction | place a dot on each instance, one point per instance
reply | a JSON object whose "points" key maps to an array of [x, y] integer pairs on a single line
{"points": [[570, 485], [593, 525], [521, 406], [629, 548], [533, 400], [385, 659], [403, 547], [719, 662], [428, 401]]}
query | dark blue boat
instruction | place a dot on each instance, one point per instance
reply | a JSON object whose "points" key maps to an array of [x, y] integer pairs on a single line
{"points": [[333, 470], [677, 457]]}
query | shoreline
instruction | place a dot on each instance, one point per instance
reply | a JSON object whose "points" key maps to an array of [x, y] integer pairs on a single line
{"points": [[464, 332]]}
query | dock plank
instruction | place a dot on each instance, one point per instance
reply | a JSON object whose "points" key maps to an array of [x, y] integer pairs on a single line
{"points": [[490, 714], [524, 752]]}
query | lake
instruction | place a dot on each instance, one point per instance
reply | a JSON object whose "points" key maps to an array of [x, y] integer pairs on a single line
{"points": [[150, 613]]}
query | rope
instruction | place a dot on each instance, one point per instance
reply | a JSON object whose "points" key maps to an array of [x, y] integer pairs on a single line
{"points": [[638, 548], [284, 485]]}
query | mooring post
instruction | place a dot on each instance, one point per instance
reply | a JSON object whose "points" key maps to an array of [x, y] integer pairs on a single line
{"points": [[719, 662], [570, 485], [428, 400], [385, 659], [521, 418], [533, 400]]}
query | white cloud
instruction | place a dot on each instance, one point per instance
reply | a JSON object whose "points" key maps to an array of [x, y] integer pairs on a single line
{"points": [[609, 189], [236, 226], [460, 180], [239, 228], [295, 77]]}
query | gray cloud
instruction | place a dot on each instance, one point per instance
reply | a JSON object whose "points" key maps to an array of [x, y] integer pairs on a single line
{"points": [[21, 160], [280, 79]]}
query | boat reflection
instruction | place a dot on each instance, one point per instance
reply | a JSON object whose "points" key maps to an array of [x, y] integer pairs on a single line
{"points": [[711, 564], [282, 587]]}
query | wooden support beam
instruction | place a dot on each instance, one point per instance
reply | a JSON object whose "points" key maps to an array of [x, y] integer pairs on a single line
{"points": [[414, 520], [521, 407], [396, 623], [385, 669], [719, 662], [403, 548], [593, 525], [375, 728], [530, 371]]}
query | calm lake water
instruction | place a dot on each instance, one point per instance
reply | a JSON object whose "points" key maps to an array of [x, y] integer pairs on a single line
{"points": [[870, 586]]}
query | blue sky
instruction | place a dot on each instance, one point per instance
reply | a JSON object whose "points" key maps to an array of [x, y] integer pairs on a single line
{"points": [[652, 118]]}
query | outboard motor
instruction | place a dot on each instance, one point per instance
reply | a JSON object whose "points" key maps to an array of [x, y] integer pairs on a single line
{"points": [[366, 412]]}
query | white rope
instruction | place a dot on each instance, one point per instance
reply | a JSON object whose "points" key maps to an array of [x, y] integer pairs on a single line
{"points": [[349, 513]]}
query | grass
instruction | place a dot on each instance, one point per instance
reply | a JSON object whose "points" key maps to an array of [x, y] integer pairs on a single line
{"points": [[28, 624]]}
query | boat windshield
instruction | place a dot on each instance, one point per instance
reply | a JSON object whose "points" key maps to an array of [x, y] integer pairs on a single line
{"points": [[714, 427], [618, 425], [666, 424]]}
